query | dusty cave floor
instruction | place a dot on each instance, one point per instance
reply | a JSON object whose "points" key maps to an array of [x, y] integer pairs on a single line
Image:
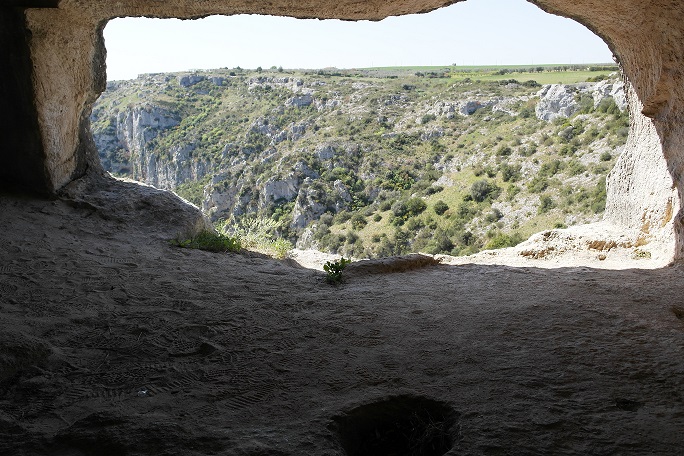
{"points": [[114, 342]]}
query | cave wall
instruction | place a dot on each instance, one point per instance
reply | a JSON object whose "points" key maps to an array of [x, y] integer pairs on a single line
{"points": [[21, 149], [67, 53]]}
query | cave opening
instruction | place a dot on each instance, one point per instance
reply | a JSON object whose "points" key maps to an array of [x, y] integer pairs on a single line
{"points": [[326, 159]]}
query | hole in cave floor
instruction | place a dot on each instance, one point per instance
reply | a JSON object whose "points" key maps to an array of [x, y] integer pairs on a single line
{"points": [[397, 426]]}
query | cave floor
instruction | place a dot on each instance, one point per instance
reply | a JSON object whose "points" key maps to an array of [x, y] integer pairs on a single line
{"points": [[115, 342]]}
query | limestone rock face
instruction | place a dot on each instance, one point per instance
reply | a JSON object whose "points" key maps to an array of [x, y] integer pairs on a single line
{"points": [[556, 100], [642, 193], [300, 101], [138, 125], [325, 151], [610, 89], [123, 147], [189, 80], [276, 190], [469, 108], [560, 100], [308, 206]]}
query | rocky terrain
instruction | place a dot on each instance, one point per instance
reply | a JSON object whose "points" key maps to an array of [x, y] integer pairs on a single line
{"points": [[370, 165]]}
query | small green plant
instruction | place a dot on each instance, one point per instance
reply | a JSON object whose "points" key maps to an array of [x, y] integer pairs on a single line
{"points": [[334, 270], [639, 254], [210, 241]]}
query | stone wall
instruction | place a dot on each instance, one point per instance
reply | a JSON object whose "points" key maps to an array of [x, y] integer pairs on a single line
{"points": [[67, 73]]}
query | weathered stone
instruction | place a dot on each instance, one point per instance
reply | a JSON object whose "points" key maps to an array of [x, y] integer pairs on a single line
{"points": [[469, 108], [189, 80], [300, 101], [308, 206], [556, 100], [218, 81], [284, 189], [325, 152], [610, 89]]}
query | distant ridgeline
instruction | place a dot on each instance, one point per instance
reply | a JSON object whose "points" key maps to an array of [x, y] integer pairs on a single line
{"points": [[374, 162]]}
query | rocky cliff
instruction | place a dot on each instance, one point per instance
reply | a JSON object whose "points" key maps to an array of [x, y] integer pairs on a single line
{"points": [[294, 147]]}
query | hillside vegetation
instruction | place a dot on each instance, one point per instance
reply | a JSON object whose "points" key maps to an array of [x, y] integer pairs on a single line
{"points": [[373, 162]]}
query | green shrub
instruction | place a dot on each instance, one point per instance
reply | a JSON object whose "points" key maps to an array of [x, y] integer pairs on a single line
{"points": [[528, 150], [538, 184], [551, 168], [343, 216], [575, 167], [546, 203], [512, 191], [415, 206], [260, 234], [504, 151], [358, 221], [500, 241], [608, 106], [326, 219], [399, 209], [210, 241], [440, 207], [466, 211], [598, 204], [413, 224], [483, 189], [352, 237], [510, 173], [433, 189], [427, 118], [494, 216], [334, 270], [467, 238], [440, 243]]}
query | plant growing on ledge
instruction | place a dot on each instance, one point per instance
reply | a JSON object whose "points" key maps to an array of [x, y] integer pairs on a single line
{"points": [[210, 241], [334, 270]]}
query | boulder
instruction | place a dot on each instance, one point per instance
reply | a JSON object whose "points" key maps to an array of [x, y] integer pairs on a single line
{"points": [[469, 107], [190, 80], [610, 89], [300, 101], [279, 189], [556, 100]]}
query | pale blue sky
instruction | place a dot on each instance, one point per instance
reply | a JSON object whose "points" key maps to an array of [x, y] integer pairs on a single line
{"points": [[476, 32]]}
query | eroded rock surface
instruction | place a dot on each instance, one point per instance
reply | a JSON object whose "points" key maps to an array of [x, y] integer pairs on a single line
{"points": [[115, 342]]}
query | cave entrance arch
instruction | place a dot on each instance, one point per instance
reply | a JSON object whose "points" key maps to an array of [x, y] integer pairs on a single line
{"points": [[181, 161], [63, 43]]}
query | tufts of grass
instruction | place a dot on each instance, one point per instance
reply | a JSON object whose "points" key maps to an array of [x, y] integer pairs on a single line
{"points": [[257, 233], [209, 241]]}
